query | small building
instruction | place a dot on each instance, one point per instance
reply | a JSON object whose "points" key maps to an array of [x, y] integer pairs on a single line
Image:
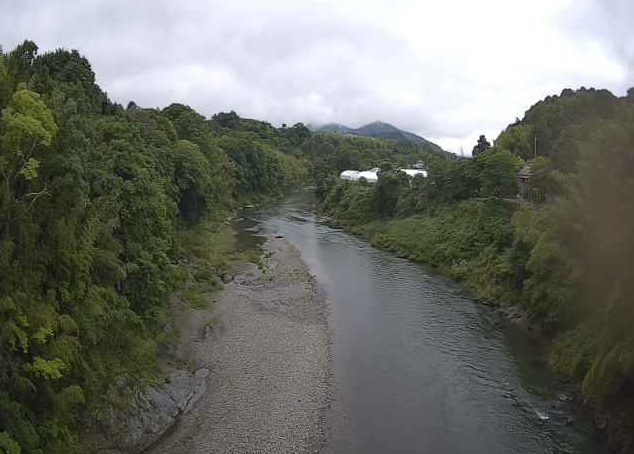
{"points": [[530, 181], [524, 177]]}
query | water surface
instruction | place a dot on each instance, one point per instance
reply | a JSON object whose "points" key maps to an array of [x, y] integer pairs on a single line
{"points": [[418, 366]]}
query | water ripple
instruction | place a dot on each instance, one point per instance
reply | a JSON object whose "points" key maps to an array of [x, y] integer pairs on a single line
{"points": [[420, 367]]}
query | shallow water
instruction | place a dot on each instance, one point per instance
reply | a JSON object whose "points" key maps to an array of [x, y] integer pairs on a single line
{"points": [[418, 365]]}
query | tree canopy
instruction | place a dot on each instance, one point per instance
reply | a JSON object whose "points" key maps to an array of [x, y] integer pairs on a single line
{"points": [[91, 197]]}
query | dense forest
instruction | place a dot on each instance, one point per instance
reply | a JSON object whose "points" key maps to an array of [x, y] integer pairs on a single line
{"points": [[558, 242], [91, 198]]}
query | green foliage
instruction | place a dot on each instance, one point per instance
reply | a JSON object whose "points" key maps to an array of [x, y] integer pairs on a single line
{"points": [[47, 368], [20, 62], [386, 193], [548, 126], [92, 198], [564, 252], [26, 123], [330, 154], [468, 241], [496, 173], [5, 82], [480, 147], [546, 289], [194, 183], [8, 445], [518, 139], [351, 202], [592, 222], [105, 211]]}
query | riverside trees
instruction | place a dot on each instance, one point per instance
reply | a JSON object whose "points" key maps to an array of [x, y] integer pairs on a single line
{"points": [[91, 195], [566, 257]]}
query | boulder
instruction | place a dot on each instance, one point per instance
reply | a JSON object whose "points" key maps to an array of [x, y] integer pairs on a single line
{"points": [[152, 412]]}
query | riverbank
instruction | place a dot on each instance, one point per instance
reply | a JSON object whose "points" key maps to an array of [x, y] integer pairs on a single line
{"points": [[417, 364], [469, 243], [266, 344]]}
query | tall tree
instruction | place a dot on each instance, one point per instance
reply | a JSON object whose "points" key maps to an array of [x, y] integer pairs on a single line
{"points": [[480, 147]]}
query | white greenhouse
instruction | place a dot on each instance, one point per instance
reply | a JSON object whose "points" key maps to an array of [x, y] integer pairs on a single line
{"points": [[350, 175], [371, 176]]}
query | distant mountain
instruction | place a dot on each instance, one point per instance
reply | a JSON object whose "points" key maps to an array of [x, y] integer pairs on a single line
{"points": [[379, 130]]}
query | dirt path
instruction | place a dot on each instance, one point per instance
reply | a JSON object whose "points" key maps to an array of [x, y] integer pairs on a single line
{"points": [[266, 344]]}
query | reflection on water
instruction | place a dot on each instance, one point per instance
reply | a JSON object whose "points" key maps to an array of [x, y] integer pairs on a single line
{"points": [[418, 366]]}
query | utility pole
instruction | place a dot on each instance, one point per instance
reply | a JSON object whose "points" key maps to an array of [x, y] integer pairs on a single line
{"points": [[535, 147]]}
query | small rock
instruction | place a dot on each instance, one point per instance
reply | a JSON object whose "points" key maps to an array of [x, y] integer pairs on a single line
{"points": [[155, 409], [226, 278], [564, 397], [209, 330]]}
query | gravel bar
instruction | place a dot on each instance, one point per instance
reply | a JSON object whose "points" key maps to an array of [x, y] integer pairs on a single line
{"points": [[266, 343]]}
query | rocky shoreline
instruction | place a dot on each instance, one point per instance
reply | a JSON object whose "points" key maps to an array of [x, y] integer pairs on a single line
{"points": [[153, 411], [265, 345]]}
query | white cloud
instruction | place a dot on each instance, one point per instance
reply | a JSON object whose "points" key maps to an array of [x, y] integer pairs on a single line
{"points": [[448, 70]]}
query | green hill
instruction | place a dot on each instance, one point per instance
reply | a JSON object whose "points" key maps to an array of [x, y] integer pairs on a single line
{"points": [[378, 130]]}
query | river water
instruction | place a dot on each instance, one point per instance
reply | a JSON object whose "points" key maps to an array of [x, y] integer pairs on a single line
{"points": [[418, 366]]}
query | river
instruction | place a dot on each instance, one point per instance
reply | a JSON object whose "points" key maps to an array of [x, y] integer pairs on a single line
{"points": [[418, 366]]}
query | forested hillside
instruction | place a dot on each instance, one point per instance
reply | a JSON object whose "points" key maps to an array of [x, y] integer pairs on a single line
{"points": [[379, 130], [91, 197], [562, 250]]}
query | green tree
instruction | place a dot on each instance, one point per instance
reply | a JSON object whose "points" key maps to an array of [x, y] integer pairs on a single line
{"points": [[496, 172], [20, 62], [91, 197], [386, 193], [518, 139], [480, 147]]}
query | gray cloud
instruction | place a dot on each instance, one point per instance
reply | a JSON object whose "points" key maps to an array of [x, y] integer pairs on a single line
{"points": [[610, 23], [446, 70]]}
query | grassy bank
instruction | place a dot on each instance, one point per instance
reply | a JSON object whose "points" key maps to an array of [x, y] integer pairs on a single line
{"points": [[468, 241], [510, 253], [203, 254]]}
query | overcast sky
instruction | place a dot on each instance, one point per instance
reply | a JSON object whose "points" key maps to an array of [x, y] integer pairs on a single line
{"points": [[445, 69]]}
